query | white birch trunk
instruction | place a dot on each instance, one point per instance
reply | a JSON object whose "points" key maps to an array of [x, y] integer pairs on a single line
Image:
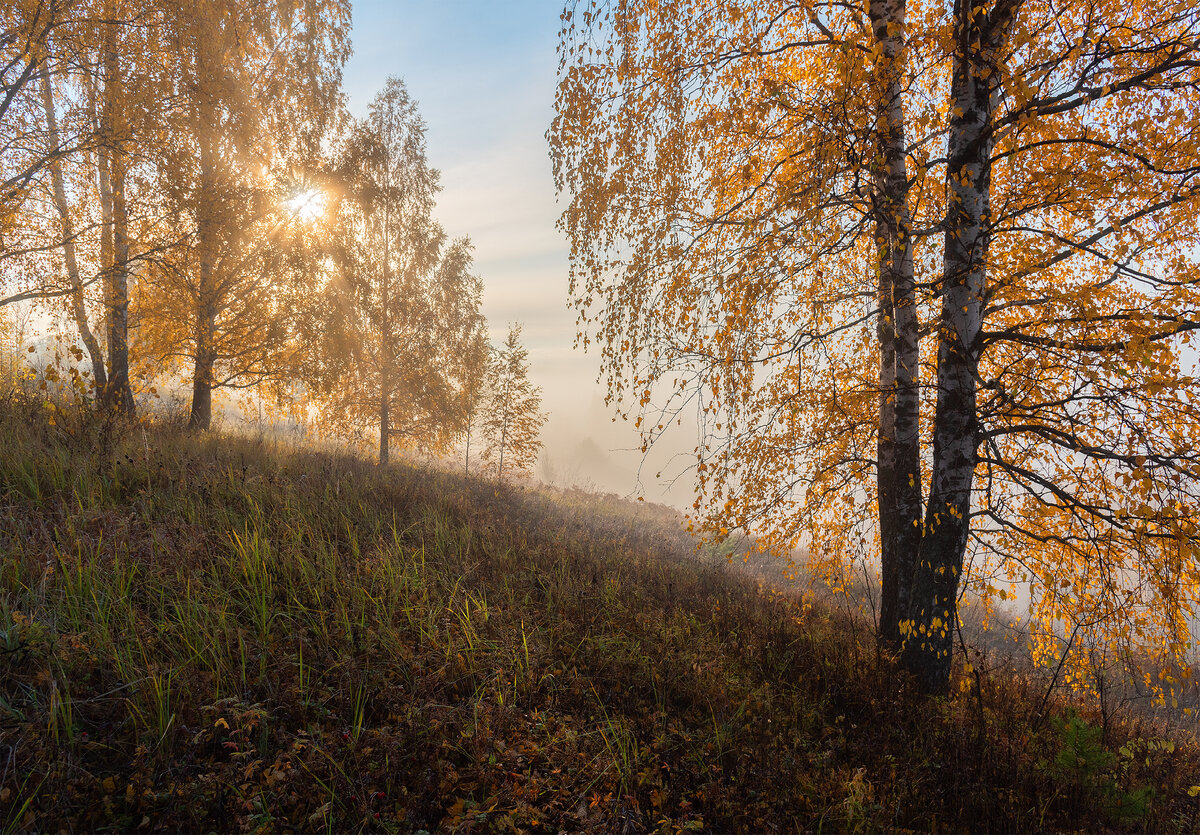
{"points": [[898, 476], [933, 611]]}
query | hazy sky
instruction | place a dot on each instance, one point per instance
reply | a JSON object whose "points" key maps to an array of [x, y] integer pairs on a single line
{"points": [[483, 73]]}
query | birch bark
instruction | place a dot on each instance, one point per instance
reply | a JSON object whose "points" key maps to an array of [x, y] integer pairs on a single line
{"points": [[898, 474], [117, 394], [206, 127], [933, 611]]}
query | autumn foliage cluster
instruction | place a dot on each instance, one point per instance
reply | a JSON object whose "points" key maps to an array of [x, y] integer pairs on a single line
{"points": [[186, 200]]}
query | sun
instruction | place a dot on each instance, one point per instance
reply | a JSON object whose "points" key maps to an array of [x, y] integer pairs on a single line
{"points": [[307, 206]]}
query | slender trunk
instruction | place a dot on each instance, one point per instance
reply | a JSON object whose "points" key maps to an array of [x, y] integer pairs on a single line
{"points": [[102, 119], [467, 459], [119, 394], [934, 608], [205, 355], [885, 468], [104, 177], [118, 339], [78, 305], [385, 377], [503, 439], [386, 336], [207, 193], [205, 337], [384, 426], [205, 299], [898, 470]]}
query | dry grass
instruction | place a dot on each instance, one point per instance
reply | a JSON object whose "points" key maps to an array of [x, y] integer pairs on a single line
{"points": [[202, 634]]}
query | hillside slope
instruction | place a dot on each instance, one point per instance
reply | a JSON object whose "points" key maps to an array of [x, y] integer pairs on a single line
{"points": [[198, 633]]}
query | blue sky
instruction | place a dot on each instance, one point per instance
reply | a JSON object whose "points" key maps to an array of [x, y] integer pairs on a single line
{"points": [[484, 75]]}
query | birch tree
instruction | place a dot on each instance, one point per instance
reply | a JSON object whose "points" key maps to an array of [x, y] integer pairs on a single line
{"points": [[401, 322], [254, 86], [69, 48], [512, 423], [93, 72], [927, 275]]}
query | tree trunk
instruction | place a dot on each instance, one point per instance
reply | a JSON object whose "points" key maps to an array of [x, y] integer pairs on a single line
{"points": [[104, 177], [202, 374], [385, 428], [78, 301], [386, 344], [118, 305], [503, 437], [205, 325], [119, 395], [898, 469], [934, 607], [206, 301]]}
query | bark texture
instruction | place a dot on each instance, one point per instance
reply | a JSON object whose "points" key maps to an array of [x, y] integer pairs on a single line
{"points": [[205, 313], [117, 394], [933, 613], [207, 223], [898, 471], [385, 427]]}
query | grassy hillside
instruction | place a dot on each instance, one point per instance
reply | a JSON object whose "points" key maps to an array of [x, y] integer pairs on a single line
{"points": [[202, 634]]}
